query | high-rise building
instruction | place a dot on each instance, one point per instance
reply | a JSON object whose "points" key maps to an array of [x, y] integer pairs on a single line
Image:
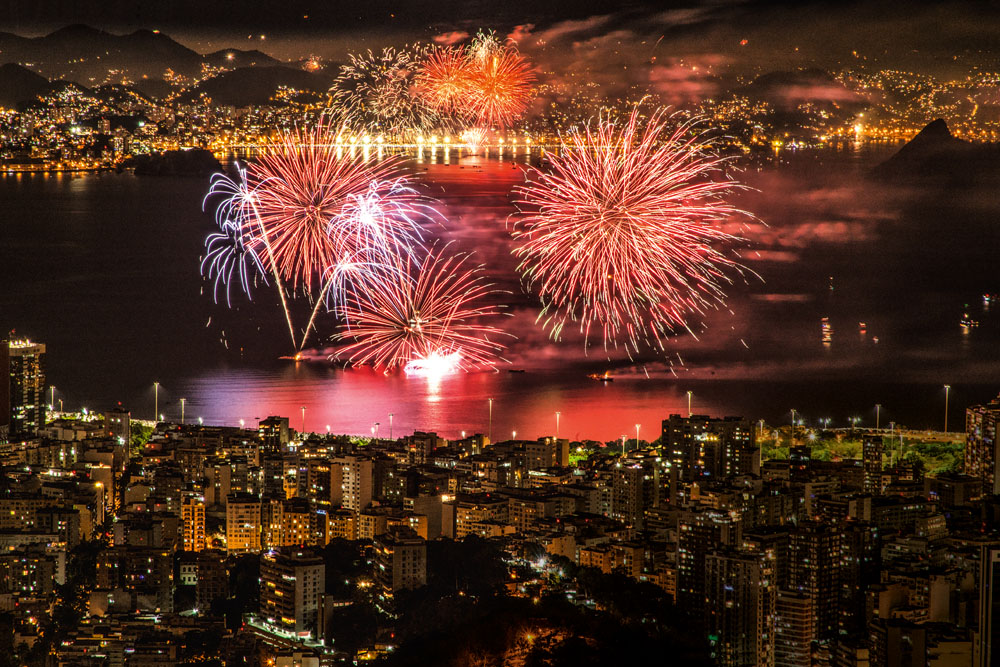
{"points": [[27, 388], [213, 579], [701, 532], [118, 424], [351, 481], [274, 434], [4, 390], [981, 444], [988, 644], [243, 523], [814, 568], [871, 455], [193, 523], [292, 583], [701, 446], [400, 563], [793, 630], [740, 597]]}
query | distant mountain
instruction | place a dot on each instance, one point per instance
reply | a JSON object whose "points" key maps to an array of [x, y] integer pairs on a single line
{"points": [[85, 55], [238, 58], [934, 154], [247, 86], [19, 85]]}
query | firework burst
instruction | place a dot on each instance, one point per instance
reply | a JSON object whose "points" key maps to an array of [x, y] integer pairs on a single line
{"points": [[421, 312], [377, 92], [624, 231], [443, 81], [500, 81], [302, 182], [314, 215]]}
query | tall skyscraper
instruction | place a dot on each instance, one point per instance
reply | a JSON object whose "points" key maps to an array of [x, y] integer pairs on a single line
{"points": [[814, 564], [701, 446], [740, 596], [981, 444], [27, 388], [871, 455], [701, 532]]}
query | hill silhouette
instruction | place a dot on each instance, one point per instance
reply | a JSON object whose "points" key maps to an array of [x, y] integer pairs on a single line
{"points": [[256, 85], [934, 154], [19, 85]]}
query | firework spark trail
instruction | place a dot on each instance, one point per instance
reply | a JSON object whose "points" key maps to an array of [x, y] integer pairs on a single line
{"points": [[624, 232], [378, 92], [239, 208], [419, 311], [227, 252]]}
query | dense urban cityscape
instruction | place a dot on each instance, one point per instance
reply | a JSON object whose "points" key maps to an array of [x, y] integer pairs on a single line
{"points": [[549, 334], [134, 542]]}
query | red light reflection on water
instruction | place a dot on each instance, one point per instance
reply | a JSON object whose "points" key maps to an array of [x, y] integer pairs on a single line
{"points": [[353, 400]]}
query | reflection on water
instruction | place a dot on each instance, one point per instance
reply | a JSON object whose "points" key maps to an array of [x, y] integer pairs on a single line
{"points": [[104, 269]]}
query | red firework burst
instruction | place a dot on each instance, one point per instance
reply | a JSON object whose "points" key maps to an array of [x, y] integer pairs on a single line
{"points": [[443, 80], [421, 311], [624, 232], [302, 182], [499, 86]]}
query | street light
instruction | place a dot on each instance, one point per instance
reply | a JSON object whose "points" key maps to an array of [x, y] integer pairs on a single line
{"points": [[947, 389], [490, 432], [156, 399]]}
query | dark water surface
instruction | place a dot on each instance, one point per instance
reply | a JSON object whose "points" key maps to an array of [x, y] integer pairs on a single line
{"points": [[104, 269]]}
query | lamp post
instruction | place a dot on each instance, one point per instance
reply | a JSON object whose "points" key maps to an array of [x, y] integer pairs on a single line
{"points": [[689, 403], [183, 401], [156, 400], [947, 390]]}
